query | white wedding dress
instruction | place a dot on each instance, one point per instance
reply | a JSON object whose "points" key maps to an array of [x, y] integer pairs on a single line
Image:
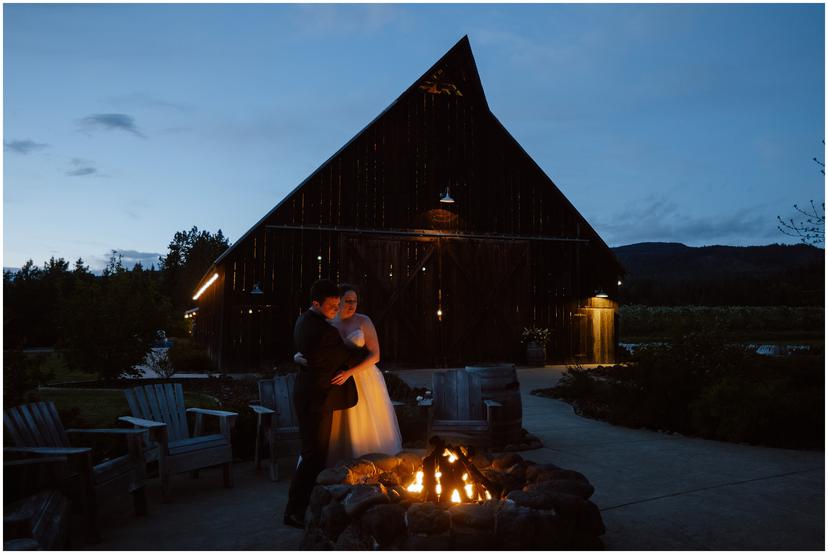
{"points": [[370, 426]]}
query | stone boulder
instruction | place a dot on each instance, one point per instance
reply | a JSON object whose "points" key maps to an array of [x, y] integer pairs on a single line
{"points": [[531, 499], [517, 527], [385, 523], [479, 516], [363, 497], [333, 520], [383, 462], [427, 518], [504, 462], [533, 470], [423, 542], [332, 475], [565, 486], [352, 538]]}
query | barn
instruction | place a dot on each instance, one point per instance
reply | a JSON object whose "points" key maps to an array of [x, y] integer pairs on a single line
{"points": [[456, 238]]}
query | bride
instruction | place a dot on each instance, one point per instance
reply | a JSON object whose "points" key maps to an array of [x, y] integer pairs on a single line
{"points": [[370, 426]]}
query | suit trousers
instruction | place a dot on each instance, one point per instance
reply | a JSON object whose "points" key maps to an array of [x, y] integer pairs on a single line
{"points": [[315, 432]]}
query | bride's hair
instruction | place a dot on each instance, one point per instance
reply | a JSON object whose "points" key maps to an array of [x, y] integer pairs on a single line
{"points": [[345, 287]]}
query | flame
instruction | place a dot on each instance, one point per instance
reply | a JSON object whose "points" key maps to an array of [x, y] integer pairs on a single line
{"points": [[469, 490], [455, 496], [451, 457], [417, 485], [465, 477], [488, 496]]}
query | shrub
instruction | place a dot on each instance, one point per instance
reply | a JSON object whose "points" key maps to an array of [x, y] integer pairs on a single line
{"points": [[185, 357]]}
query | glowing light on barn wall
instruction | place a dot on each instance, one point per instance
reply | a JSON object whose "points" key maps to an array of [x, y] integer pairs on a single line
{"points": [[206, 285]]}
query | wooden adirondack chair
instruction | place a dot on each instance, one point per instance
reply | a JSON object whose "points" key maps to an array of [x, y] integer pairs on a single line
{"points": [[35, 509], [36, 430], [160, 409], [459, 411], [276, 418]]}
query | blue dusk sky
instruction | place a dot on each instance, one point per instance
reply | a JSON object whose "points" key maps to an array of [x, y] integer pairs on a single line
{"points": [[126, 123]]}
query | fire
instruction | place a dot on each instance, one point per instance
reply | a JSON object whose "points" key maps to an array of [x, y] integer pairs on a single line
{"points": [[455, 496], [417, 485]]}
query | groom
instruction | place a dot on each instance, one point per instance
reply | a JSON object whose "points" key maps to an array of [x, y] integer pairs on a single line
{"points": [[322, 346]]}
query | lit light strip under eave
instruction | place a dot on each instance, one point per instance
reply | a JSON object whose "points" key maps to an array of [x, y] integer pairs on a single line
{"points": [[205, 285]]}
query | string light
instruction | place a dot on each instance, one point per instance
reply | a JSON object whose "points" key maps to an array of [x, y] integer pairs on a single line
{"points": [[205, 285]]}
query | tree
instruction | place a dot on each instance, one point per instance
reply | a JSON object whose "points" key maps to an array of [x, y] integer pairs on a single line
{"points": [[190, 254], [810, 228], [110, 322]]}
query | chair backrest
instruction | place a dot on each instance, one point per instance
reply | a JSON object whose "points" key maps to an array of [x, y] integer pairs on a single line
{"points": [[457, 395], [36, 424], [277, 394], [163, 403]]}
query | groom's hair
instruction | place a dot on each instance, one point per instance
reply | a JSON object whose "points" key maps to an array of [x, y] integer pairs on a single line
{"points": [[322, 289]]}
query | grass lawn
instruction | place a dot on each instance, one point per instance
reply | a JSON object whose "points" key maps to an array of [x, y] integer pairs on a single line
{"points": [[102, 407]]}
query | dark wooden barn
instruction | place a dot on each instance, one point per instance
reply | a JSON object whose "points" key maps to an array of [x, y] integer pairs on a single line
{"points": [[446, 284]]}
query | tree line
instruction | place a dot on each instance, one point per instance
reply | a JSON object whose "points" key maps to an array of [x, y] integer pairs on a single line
{"points": [[106, 323]]}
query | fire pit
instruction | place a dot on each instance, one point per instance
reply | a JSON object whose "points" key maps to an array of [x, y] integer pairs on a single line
{"points": [[451, 499]]}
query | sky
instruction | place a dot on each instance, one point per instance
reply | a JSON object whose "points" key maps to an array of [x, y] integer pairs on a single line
{"points": [[123, 124]]}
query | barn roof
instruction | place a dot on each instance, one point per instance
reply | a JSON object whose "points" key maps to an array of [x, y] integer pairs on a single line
{"points": [[454, 72]]}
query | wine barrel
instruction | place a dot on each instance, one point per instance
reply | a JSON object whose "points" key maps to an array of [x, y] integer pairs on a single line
{"points": [[499, 382]]}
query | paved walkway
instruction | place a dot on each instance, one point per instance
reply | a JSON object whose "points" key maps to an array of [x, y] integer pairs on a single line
{"points": [[656, 491]]}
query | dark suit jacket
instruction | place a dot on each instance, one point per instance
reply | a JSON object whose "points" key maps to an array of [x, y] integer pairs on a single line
{"points": [[326, 353]]}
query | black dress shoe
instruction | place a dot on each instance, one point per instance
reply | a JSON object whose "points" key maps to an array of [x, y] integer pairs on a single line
{"points": [[294, 521]]}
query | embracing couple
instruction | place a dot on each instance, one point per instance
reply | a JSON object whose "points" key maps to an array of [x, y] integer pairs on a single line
{"points": [[337, 352]]}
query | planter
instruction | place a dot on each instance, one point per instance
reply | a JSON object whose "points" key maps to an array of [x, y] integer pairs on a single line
{"points": [[535, 354]]}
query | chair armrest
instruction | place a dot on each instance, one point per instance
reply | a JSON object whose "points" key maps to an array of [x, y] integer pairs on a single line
{"points": [[35, 461], [425, 402], [47, 450], [261, 410], [117, 431], [219, 413], [493, 404], [146, 423]]}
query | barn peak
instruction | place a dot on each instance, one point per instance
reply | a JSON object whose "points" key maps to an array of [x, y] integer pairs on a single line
{"points": [[454, 74]]}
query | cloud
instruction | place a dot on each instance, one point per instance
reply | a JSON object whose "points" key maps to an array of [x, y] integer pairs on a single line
{"points": [[144, 100], [128, 258], [82, 168], [23, 146], [110, 122], [662, 220]]}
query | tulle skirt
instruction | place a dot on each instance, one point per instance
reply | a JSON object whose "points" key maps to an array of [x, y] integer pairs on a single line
{"points": [[370, 426]]}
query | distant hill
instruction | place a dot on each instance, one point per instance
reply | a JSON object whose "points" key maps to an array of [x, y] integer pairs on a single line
{"points": [[669, 273]]}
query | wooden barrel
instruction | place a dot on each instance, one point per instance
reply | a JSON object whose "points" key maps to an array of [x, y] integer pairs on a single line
{"points": [[499, 382]]}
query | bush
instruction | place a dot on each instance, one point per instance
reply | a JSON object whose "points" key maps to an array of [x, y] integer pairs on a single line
{"points": [[185, 357], [700, 385]]}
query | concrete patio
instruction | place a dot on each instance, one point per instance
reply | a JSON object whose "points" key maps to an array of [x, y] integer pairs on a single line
{"points": [[656, 491]]}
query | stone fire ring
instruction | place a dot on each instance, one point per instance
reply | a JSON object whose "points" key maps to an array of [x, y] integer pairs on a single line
{"points": [[363, 505]]}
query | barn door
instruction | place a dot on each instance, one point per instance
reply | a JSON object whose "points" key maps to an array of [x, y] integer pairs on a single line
{"points": [[397, 282], [438, 302], [484, 292]]}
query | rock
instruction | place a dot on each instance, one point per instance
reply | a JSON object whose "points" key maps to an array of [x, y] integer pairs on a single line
{"points": [[504, 462], [416, 541], [533, 470], [518, 470], [506, 481], [531, 499], [565, 486], [332, 476], [360, 471], [427, 518], [385, 523], [383, 462], [410, 462], [551, 474], [389, 478], [363, 497], [471, 538], [511, 447], [396, 494], [479, 516], [590, 523], [566, 505], [338, 492], [517, 527], [481, 460], [352, 538], [315, 539], [333, 520], [319, 498]]}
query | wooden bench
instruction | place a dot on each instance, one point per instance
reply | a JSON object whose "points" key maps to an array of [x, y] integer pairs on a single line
{"points": [[35, 509], [276, 420], [160, 410], [36, 430], [458, 411]]}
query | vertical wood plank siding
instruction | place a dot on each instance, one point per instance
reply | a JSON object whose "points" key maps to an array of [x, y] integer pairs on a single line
{"points": [[390, 177]]}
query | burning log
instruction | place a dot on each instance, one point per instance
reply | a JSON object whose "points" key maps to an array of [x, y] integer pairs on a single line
{"points": [[493, 488]]}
